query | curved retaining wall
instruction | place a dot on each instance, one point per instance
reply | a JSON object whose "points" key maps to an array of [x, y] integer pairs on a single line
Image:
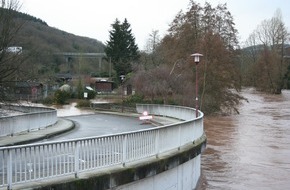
{"points": [[119, 161], [32, 118]]}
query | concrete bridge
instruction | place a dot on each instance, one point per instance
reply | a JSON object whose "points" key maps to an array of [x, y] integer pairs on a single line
{"points": [[70, 55], [165, 157]]}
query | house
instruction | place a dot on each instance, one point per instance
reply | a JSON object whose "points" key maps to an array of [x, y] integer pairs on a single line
{"points": [[28, 90], [63, 77], [14, 49]]}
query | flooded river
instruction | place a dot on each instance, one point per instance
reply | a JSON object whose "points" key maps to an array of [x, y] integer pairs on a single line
{"points": [[250, 150]]}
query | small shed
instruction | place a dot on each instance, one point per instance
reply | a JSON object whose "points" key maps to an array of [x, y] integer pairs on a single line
{"points": [[63, 77], [28, 90], [102, 84]]}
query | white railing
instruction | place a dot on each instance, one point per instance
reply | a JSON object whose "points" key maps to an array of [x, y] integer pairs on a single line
{"points": [[26, 163], [32, 118]]}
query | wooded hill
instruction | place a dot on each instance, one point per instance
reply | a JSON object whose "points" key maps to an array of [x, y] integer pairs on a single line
{"points": [[41, 43], [36, 34]]}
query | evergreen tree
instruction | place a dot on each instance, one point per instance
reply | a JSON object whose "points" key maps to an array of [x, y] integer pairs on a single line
{"points": [[121, 47]]}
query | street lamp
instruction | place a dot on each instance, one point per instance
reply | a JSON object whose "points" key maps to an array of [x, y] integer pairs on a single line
{"points": [[196, 57], [122, 77]]}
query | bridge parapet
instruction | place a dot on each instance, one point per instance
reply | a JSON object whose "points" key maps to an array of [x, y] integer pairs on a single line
{"points": [[179, 112], [32, 118], [35, 162], [77, 54], [187, 130]]}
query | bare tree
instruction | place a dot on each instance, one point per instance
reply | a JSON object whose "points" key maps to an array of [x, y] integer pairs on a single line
{"points": [[10, 56], [210, 31], [150, 57], [267, 45], [153, 41]]}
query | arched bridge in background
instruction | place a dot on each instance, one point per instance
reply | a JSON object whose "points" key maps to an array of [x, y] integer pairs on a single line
{"points": [[70, 55], [85, 55]]}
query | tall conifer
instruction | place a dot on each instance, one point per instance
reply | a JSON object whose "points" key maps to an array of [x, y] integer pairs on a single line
{"points": [[121, 47]]}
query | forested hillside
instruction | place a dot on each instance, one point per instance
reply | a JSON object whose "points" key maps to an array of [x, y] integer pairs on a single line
{"points": [[36, 34], [41, 43]]}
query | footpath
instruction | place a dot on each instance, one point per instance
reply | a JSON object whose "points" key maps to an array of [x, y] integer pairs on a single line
{"points": [[65, 125]]}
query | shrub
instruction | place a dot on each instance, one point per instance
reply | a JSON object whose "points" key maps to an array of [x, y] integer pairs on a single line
{"points": [[48, 100], [91, 94], [83, 103], [60, 97], [134, 99]]}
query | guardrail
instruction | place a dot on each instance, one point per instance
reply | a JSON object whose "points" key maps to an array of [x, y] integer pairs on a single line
{"points": [[32, 118], [27, 163]]}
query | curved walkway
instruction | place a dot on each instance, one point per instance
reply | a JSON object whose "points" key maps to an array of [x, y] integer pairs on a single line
{"points": [[73, 159], [65, 125]]}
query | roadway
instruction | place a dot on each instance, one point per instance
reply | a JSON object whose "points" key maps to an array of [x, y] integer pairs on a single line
{"points": [[89, 124], [100, 124]]}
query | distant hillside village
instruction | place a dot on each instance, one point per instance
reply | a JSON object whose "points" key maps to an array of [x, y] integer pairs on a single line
{"points": [[42, 68], [33, 91], [38, 89]]}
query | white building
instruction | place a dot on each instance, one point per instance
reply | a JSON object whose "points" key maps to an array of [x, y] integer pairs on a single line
{"points": [[14, 49]]}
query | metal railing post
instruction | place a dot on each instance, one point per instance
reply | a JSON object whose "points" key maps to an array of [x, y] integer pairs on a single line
{"points": [[157, 143], [77, 158], [179, 137], [9, 169], [124, 150]]}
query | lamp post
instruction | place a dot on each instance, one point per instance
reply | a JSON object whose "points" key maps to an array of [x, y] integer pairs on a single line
{"points": [[122, 77], [196, 57]]}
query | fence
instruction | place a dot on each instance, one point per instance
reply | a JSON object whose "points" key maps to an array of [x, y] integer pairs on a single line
{"points": [[27, 163], [32, 118]]}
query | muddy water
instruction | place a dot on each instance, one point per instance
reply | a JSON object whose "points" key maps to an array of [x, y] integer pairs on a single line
{"points": [[250, 150], [71, 110]]}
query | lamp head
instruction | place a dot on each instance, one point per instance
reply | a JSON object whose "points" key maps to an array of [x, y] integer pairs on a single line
{"points": [[196, 57], [122, 77]]}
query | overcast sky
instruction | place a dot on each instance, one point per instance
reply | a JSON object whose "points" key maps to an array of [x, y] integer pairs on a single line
{"points": [[93, 18]]}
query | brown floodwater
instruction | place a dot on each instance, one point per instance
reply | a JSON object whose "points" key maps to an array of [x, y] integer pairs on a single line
{"points": [[250, 150]]}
